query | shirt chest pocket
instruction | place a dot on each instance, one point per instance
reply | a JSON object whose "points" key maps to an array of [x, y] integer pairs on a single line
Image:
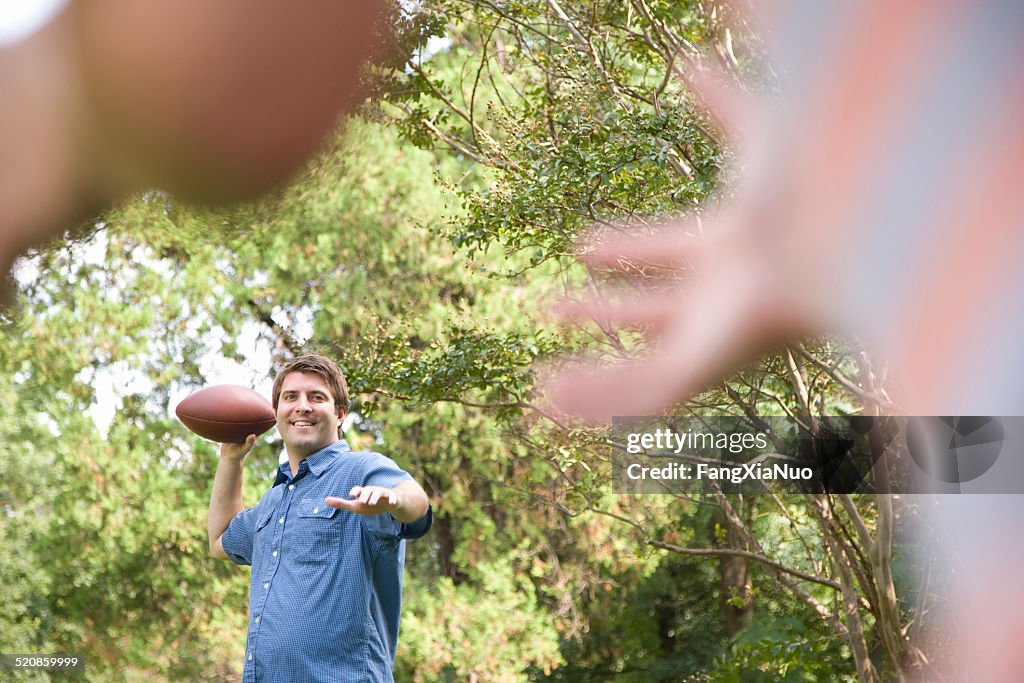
{"points": [[315, 537], [263, 521]]}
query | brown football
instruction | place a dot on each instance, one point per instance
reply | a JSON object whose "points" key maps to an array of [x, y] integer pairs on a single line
{"points": [[226, 413]]}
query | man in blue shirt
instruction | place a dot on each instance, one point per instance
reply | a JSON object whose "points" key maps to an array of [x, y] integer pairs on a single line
{"points": [[326, 541]]}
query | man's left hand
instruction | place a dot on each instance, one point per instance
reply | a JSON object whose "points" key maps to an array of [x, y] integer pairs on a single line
{"points": [[367, 500]]}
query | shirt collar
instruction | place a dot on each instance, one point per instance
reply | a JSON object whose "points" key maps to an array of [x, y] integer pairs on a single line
{"points": [[317, 462]]}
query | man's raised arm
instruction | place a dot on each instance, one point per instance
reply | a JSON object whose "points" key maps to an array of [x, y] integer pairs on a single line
{"points": [[226, 497]]}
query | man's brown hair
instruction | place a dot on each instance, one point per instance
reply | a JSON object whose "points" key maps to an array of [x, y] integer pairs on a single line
{"points": [[325, 368]]}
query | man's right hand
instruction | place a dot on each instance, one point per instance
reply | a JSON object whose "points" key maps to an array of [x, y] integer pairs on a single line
{"points": [[238, 451]]}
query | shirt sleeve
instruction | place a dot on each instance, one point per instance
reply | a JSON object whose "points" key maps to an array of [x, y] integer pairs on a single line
{"points": [[417, 529], [383, 471], [238, 537]]}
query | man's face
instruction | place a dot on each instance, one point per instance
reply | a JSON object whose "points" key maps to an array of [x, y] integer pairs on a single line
{"points": [[306, 416]]}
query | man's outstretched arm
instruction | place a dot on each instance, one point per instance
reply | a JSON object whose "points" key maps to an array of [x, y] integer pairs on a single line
{"points": [[226, 497]]}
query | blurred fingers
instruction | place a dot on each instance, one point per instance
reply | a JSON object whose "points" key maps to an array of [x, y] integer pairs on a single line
{"points": [[667, 248], [725, 103], [653, 309], [595, 394], [702, 337]]}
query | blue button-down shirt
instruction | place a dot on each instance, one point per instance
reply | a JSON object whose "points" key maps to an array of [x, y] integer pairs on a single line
{"points": [[326, 589]]}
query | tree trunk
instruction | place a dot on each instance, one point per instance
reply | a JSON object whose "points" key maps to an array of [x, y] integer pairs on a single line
{"points": [[736, 606]]}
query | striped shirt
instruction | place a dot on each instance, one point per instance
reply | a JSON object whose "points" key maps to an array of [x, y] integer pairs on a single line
{"points": [[326, 586]]}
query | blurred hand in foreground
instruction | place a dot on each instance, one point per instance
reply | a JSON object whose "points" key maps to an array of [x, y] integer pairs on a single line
{"points": [[879, 196]]}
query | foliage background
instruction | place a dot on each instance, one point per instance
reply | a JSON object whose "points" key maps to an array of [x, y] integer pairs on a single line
{"points": [[421, 249]]}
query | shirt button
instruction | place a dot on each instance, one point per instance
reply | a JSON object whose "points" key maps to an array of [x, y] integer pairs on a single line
{"points": [[291, 487], [274, 553], [250, 656], [266, 585], [316, 510], [257, 619], [281, 521]]}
